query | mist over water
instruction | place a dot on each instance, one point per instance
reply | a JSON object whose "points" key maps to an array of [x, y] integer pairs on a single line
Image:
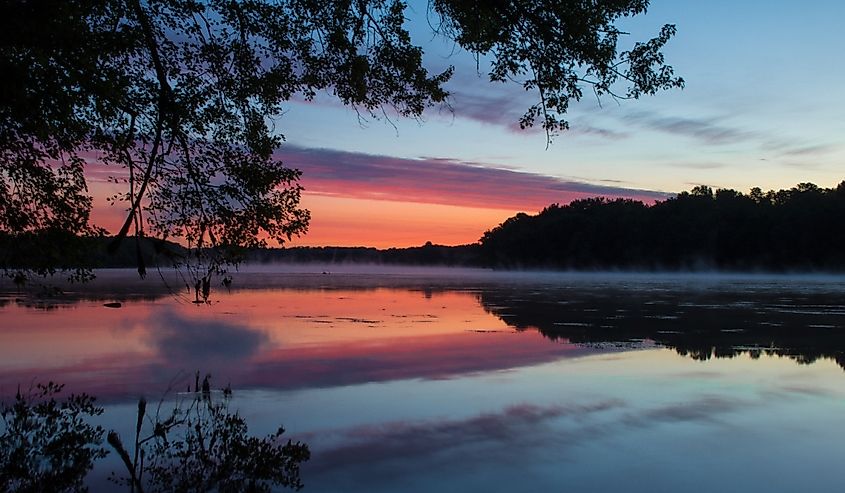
{"points": [[420, 379]]}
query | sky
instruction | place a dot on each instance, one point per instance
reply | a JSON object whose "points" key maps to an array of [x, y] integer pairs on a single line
{"points": [[761, 107]]}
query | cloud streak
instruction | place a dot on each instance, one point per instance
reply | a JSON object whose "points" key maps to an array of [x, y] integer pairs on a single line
{"points": [[476, 98], [712, 132], [809, 150], [706, 130], [440, 181]]}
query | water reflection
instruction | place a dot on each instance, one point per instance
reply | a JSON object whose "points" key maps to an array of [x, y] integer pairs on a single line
{"points": [[479, 383], [285, 338], [516, 426], [306, 331], [699, 323]]}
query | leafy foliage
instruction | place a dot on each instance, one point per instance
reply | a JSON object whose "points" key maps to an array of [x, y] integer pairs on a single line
{"points": [[559, 48], [786, 229], [48, 445]]}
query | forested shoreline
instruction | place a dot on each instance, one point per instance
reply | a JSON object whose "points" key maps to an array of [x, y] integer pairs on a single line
{"points": [[797, 229]]}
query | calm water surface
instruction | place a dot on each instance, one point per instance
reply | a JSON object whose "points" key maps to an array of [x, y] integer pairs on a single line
{"points": [[476, 381]]}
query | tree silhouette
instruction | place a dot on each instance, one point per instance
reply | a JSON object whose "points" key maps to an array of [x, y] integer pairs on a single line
{"points": [[795, 229], [179, 97]]}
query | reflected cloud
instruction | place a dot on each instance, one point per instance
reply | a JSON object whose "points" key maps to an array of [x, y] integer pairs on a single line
{"points": [[181, 339], [794, 390], [435, 357], [244, 357], [401, 441], [524, 432], [702, 409]]}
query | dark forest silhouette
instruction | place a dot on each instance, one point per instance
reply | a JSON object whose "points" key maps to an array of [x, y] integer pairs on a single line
{"points": [[795, 229]]}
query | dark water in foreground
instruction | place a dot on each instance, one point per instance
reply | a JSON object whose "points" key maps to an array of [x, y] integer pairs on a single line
{"points": [[473, 381]]}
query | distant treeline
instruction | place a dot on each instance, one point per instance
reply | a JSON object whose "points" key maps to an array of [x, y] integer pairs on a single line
{"points": [[60, 251], [797, 229], [428, 254]]}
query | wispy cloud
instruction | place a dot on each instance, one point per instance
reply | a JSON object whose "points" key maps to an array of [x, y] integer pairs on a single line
{"points": [[809, 150], [712, 131], [706, 130], [440, 181], [699, 165], [503, 105], [495, 107]]}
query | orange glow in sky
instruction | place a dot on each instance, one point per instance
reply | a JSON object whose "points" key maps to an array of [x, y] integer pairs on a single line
{"points": [[344, 221], [341, 221], [380, 201]]}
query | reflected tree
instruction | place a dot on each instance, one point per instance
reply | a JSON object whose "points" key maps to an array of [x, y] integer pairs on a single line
{"points": [[48, 444], [202, 446], [696, 322]]}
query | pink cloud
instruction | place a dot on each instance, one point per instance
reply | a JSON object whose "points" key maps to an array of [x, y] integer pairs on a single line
{"points": [[440, 181]]}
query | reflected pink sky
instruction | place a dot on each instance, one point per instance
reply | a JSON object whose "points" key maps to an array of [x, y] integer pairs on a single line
{"points": [[277, 338]]}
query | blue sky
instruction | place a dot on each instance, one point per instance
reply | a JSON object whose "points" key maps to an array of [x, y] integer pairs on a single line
{"points": [[761, 107]]}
